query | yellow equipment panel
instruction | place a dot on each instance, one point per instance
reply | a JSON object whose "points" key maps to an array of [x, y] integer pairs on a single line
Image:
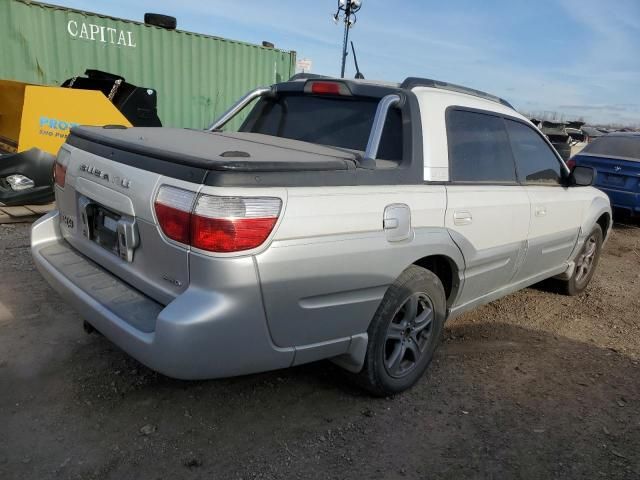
{"points": [[48, 114], [11, 102]]}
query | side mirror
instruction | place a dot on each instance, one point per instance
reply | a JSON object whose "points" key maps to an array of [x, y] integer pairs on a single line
{"points": [[582, 176]]}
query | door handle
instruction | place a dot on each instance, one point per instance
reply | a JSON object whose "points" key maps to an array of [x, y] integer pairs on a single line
{"points": [[462, 217], [540, 211]]}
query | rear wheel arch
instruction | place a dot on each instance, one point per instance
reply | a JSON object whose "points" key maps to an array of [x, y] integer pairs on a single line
{"points": [[446, 269], [605, 222]]}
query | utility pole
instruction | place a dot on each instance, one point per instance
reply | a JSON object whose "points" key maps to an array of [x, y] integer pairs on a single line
{"points": [[348, 9]]}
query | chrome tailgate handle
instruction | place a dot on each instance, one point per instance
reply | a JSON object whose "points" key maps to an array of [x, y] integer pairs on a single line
{"points": [[128, 238], [84, 205]]}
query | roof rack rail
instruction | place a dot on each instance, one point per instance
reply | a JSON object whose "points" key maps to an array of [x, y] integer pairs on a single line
{"points": [[412, 82]]}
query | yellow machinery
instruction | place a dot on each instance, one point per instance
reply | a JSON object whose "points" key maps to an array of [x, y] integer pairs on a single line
{"points": [[35, 121], [34, 116]]}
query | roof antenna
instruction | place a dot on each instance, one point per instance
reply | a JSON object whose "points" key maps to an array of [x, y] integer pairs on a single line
{"points": [[359, 74]]}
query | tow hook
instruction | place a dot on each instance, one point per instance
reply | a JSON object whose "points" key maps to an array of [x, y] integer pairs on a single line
{"points": [[88, 328]]}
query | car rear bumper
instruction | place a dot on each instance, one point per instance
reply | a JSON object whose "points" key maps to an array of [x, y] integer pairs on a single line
{"points": [[202, 333], [623, 199]]}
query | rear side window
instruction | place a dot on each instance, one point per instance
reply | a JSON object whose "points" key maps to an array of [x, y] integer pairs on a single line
{"points": [[536, 162], [479, 148], [335, 121], [615, 146]]}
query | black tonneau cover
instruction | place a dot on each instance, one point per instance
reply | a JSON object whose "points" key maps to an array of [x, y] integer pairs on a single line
{"points": [[224, 151]]}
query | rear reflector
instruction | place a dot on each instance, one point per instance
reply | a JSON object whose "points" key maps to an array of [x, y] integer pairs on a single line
{"points": [[59, 174], [216, 224], [233, 224], [173, 209], [571, 163]]}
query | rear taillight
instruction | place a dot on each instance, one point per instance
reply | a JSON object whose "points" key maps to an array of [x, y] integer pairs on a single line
{"points": [[571, 163], [216, 224], [60, 167], [173, 209], [232, 224], [59, 174]]}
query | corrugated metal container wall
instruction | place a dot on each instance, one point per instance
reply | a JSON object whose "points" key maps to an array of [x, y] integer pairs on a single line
{"points": [[197, 76]]}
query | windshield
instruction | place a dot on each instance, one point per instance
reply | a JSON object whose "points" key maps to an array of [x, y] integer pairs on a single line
{"points": [[343, 122]]}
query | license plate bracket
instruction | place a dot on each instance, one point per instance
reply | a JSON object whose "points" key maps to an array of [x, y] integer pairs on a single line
{"points": [[111, 230], [616, 180], [104, 229]]}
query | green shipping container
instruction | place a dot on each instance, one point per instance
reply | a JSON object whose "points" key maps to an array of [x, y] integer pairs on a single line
{"points": [[197, 77]]}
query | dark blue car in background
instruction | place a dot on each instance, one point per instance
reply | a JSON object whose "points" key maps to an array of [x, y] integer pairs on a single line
{"points": [[616, 158]]}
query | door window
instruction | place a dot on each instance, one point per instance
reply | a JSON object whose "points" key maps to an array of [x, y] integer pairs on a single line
{"points": [[536, 162], [479, 148]]}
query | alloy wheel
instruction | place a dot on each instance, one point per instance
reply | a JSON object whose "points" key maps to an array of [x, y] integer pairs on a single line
{"points": [[408, 335], [584, 262]]}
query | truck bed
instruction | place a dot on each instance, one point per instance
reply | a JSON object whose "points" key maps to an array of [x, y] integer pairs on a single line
{"points": [[234, 158], [221, 150]]}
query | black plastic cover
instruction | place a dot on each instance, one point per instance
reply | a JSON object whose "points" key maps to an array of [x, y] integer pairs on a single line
{"points": [[159, 20], [137, 104], [35, 164], [209, 150]]}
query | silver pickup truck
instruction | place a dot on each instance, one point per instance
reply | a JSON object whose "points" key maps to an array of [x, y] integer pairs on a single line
{"points": [[343, 219]]}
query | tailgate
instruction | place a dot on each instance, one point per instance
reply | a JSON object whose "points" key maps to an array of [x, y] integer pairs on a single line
{"points": [[614, 173], [106, 213]]}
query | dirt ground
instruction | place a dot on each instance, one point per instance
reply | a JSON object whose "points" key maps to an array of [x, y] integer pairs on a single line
{"points": [[533, 386]]}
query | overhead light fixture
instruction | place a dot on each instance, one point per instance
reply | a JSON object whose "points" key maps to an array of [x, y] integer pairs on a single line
{"points": [[347, 9]]}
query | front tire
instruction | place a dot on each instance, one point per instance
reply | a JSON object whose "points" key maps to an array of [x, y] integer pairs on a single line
{"points": [[586, 263], [404, 332]]}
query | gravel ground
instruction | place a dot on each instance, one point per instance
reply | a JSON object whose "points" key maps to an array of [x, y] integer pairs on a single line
{"points": [[535, 385]]}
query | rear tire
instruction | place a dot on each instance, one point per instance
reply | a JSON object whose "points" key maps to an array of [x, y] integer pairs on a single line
{"points": [[586, 263], [404, 332]]}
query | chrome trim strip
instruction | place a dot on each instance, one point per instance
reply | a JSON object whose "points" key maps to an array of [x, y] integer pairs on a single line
{"points": [[237, 107], [378, 125]]}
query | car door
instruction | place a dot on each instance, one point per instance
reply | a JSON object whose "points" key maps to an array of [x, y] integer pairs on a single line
{"points": [[487, 210], [556, 210]]}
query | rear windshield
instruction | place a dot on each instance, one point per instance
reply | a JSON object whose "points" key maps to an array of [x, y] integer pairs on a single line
{"points": [[335, 121], [615, 146]]}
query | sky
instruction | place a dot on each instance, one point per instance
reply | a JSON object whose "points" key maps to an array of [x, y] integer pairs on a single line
{"points": [[578, 58]]}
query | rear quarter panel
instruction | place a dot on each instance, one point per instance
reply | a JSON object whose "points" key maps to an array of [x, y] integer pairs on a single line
{"points": [[330, 263]]}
